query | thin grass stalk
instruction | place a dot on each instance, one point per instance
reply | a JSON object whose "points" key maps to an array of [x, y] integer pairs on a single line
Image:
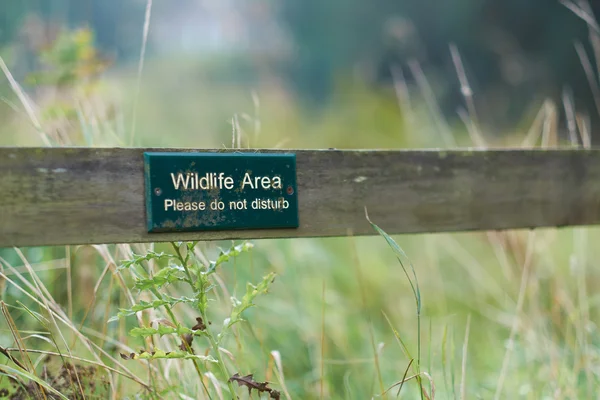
{"points": [[533, 134], [403, 96], [369, 321], [583, 124], [187, 346], [145, 34], [569, 107], [589, 73], [22, 349], [404, 379], [463, 379], [587, 17], [470, 119], [414, 284], [430, 101], [25, 102], [86, 342], [211, 338], [322, 375], [276, 356], [581, 246], [74, 358], [69, 282], [516, 321], [47, 299]]}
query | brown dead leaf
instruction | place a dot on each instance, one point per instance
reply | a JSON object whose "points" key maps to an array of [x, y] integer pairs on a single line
{"points": [[129, 356], [186, 344], [200, 325], [250, 383]]}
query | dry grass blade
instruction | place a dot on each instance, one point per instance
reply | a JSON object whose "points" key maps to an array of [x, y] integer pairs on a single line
{"points": [[414, 284], [322, 378], [52, 265], [498, 245], [6, 353], [47, 298], [583, 122], [516, 320], [215, 382], [404, 376], [25, 102], [594, 35], [5, 369], [29, 368], [589, 73], [117, 344], [457, 251], [533, 134], [583, 14], [467, 92], [400, 383], [256, 119], [95, 294], [463, 380], [363, 296], [567, 98], [145, 34], [238, 130], [448, 359], [59, 315], [430, 396], [69, 282], [474, 135], [10, 104], [109, 260], [432, 104], [403, 96], [276, 356], [74, 358], [549, 130], [17, 338], [579, 261]]}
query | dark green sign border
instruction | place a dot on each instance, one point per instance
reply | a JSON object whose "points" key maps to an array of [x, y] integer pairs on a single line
{"points": [[160, 191]]}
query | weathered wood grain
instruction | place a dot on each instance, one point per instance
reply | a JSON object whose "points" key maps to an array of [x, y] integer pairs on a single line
{"points": [[54, 196]]}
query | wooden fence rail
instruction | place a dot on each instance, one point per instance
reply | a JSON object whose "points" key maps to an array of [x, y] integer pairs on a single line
{"points": [[57, 196]]}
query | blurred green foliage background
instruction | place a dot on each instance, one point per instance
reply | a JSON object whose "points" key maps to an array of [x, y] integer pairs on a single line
{"points": [[516, 53]]}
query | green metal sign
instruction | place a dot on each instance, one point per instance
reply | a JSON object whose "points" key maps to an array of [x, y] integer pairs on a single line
{"points": [[217, 191]]}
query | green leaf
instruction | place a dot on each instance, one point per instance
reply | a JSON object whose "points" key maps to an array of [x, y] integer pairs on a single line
{"points": [[191, 245], [414, 282], [247, 301], [28, 375], [39, 317], [145, 305], [202, 287], [165, 330], [403, 345], [224, 256], [169, 274], [160, 354], [139, 259], [161, 330]]}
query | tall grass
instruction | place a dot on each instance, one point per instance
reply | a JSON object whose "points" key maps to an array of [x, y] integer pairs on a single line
{"points": [[491, 315]]}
